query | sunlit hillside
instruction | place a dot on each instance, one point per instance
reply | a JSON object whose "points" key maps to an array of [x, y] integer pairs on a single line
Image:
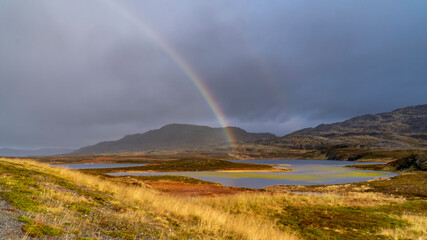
{"points": [[66, 204]]}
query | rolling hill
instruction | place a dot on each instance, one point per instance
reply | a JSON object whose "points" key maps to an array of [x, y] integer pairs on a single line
{"points": [[173, 137]]}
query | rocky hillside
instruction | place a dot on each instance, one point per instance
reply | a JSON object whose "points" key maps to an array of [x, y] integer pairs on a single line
{"points": [[404, 128], [401, 128], [412, 162], [174, 137]]}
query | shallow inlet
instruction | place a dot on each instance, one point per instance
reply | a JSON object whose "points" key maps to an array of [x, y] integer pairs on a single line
{"points": [[306, 172]]}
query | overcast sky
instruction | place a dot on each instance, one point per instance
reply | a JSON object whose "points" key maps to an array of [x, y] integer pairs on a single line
{"points": [[74, 73]]}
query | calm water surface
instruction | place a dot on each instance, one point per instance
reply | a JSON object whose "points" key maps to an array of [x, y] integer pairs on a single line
{"points": [[96, 165], [306, 172]]}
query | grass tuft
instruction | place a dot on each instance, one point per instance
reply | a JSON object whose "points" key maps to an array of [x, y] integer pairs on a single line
{"points": [[41, 230]]}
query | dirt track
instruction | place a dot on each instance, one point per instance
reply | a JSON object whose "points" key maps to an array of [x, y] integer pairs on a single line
{"points": [[10, 227]]}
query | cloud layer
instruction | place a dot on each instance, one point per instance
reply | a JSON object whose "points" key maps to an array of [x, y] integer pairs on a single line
{"points": [[74, 73]]}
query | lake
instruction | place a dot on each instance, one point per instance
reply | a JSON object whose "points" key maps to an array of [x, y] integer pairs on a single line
{"points": [[306, 172], [96, 165]]}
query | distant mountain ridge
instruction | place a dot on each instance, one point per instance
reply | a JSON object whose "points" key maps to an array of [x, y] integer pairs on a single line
{"points": [[12, 152], [174, 137], [404, 128], [401, 128]]}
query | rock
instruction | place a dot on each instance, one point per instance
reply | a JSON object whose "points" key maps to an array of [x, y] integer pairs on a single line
{"points": [[354, 158]]}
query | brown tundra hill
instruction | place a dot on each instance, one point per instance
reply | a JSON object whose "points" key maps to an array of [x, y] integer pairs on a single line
{"points": [[404, 128]]}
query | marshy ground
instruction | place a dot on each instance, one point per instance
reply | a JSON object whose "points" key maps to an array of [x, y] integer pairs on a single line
{"points": [[60, 203]]}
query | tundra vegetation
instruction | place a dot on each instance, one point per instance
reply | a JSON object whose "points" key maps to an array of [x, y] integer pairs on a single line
{"points": [[69, 204]]}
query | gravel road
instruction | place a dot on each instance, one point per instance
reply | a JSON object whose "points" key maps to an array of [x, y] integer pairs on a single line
{"points": [[10, 228]]}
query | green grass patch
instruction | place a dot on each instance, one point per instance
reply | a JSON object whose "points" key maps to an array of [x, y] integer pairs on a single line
{"points": [[25, 219], [21, 200], [410, 207], [409, 185], [41, 230], [323, 222], [20, 188], [81, 209]]}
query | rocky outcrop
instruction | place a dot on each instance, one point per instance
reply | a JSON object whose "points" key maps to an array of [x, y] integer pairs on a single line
{"points": [[412, 162]]}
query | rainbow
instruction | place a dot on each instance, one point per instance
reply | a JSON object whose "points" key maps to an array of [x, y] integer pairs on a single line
{"points": [[182, 63]]}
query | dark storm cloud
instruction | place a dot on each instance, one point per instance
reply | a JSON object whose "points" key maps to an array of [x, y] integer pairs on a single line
{"points": [[327, 61], [74, 73]]}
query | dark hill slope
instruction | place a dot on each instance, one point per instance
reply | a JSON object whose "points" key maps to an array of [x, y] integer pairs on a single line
{"points": [[401, 128], [173, 137]]}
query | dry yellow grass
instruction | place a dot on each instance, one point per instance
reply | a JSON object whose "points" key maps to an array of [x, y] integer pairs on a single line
{"points": [[264, 201], [416, 231], [212, 220], [242, 216]]}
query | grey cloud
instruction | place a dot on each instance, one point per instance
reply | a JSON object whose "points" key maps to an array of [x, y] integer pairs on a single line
{"points": [[74, 73]]}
